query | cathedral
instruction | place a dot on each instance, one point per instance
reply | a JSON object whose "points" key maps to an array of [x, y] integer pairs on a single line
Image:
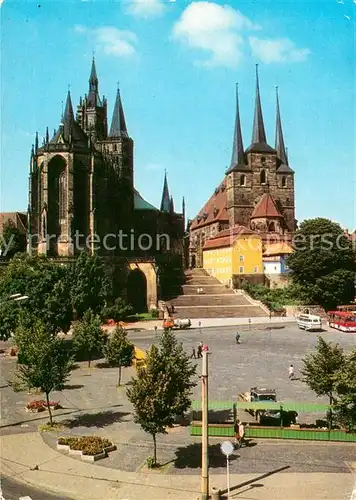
{"points": [[82, 196], [256, 194]]}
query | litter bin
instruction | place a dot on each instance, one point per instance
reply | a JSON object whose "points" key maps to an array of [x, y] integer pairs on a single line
{"points": [[215, 494]]}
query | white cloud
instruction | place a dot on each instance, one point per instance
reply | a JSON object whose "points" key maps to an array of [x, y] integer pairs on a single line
{"points": [[119, 43], [215, 29], [146, 8], [277, 51]]}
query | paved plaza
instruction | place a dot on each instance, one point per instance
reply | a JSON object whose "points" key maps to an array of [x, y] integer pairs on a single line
{"points": [[93, 405]]}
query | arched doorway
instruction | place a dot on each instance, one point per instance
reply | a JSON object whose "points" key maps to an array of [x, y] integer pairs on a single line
{"points": [[137, 291]]}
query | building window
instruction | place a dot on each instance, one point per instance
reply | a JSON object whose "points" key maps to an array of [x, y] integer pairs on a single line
{"points": [[263, 160], [242, 258], [255, 269], [62, 196], [263, 177], [242, 179], [115, 147], [284, 182], [241, 269]]}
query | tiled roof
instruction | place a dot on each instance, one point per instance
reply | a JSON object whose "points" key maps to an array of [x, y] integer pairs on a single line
{"points": [[214, 210], [226, 237], [266, 207], [141, 204], [280, 248]]}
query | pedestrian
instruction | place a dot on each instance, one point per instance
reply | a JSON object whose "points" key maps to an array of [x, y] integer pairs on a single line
{"points": [[291, 372], [193, 353], [237, 337], [199, 354], [239, 433]]}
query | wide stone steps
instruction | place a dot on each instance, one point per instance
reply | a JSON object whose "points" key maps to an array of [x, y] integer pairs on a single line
{"points": [[216, 301], [243, 311], [209, 300]]}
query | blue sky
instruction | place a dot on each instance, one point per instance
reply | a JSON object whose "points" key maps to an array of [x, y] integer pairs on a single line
{"points": [[177, 63]]}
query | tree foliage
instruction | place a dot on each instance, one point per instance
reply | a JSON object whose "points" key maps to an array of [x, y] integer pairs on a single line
{"points": [[12, 241], [90, 285], [88, 336], [324, 263], [161, 391], [118, 311], [345, 386], [321, 369], [119, 350], [45, 362]]}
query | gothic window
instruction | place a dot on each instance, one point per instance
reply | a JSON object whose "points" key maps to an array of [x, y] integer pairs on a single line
{"points": [[263, 160], [272, 226], [242, 179], [263, 177], [284, 181], [115, 147], [62, 195], [44, 225]]}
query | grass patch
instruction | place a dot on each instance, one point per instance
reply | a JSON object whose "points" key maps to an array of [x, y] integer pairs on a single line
{"points": [[50, 428]]}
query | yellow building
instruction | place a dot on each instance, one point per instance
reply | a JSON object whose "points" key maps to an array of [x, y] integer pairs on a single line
{"points": [[234, 251]]}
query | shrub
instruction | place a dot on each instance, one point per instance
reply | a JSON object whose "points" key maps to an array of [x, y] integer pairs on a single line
{"points": [[150, 462], [88, 445]]}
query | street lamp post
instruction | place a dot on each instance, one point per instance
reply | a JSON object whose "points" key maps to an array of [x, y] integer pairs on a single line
{"points": [[205, 437]]}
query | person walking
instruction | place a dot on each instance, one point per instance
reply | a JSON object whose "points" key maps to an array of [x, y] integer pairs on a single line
{"points": [[199, 350], [239, 433], [237, 337], [291, 373], [193, 356]]}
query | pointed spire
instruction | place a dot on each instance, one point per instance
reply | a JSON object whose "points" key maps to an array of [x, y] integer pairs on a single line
{"points": [[280, 147], [118, 124], [93, 96], [47, 135], [259, 134], [171, 205], [166, 201], [36, 142], [259, 141], [68, 115], [183, 207], [238, 156], [93, 79]]}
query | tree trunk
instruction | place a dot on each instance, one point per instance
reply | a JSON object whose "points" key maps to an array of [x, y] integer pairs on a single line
{"points": [[154, 450], [330, 412], [89, 359], [49, 409], [118, 377]]}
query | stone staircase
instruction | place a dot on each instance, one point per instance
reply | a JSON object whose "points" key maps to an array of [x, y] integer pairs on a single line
{"points": [[216, 301]]}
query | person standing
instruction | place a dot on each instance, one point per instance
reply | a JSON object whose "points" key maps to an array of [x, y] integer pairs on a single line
{"points": [[193, 353], [291, 373], [237, 337]]}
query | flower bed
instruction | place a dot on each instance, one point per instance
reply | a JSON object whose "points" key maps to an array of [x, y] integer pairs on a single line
{"points": [[89, 448], [41, 405]]}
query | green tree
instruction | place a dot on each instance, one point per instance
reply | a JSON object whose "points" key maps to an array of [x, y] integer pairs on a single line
{"points": [[161, 391], [46, 363], [90, 285], [88, 336], [8, 318], [324, 263], [345, 385], [58, 306], [119, 351], [118, 311], [12, 241], [320, 370]]}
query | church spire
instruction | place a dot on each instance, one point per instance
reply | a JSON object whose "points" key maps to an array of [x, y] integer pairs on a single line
{"points": [[259, 134], [171, 205], [166, 201], [280, 147], [118, 124], [259, 141], [238, 156], [93, 96]]}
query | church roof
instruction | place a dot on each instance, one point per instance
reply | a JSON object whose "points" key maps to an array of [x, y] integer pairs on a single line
{"points": [[265, 207], [141, 204], [238, 156], [227, 237], [214, 210], [284, 169], [69, 129]]}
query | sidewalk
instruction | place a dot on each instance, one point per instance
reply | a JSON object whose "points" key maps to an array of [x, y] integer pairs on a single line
{"points": [[59, 473], [211, 322]]}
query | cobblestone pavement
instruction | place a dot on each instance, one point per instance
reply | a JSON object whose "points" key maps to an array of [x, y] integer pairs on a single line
{"points": [[93, 405]]}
